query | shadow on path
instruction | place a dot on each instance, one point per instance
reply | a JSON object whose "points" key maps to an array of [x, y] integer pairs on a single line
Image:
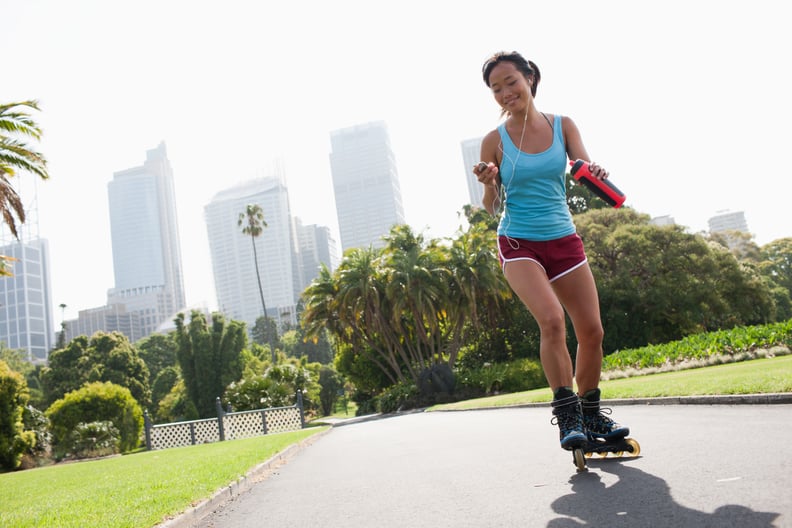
{"points": [[639, 499]]}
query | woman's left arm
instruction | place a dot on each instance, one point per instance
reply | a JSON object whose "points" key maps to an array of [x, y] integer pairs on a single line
{"points": [[575, 148]]}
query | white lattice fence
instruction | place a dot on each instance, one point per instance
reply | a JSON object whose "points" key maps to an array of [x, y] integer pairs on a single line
{"points": [[283, 419], [244, 424], [184, 433], [237, 425]]}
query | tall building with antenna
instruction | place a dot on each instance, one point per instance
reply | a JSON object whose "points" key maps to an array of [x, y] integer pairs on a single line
{"points": [[26, 321]]}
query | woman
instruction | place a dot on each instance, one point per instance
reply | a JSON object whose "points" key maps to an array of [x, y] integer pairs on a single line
{"points": [[542, 257]]}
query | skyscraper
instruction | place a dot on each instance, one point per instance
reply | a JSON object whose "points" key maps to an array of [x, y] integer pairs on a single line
{"points": [[25, 305], [728, 221], [145, 237], [316, 247], [233, 265], [366, 184], [26, 321], [471, 154]]}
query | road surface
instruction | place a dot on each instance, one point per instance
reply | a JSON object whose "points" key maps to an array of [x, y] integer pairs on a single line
{"points": [[700, 466]]}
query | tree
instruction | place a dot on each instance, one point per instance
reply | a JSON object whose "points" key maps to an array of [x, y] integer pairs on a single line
{"points": [[332, 384], [265, 331], [62, 335], [162, 385], [658, 284], [158, 352], [15, 359], [14, 441], [776, 262], [209, 357], [580, 199], [176, 406], [775, 265], [253, 221], [741, 244], [478, 292], [103, 357], [16, 155], [407, 308]]}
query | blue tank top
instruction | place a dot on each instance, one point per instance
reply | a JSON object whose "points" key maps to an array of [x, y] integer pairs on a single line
{"points": [[535, 206]]}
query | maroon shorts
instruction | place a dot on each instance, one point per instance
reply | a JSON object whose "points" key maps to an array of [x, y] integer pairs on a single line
{"points": [[556, 257]]}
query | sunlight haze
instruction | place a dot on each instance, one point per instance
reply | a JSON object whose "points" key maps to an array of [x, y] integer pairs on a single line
{"points": [[684, 103]]}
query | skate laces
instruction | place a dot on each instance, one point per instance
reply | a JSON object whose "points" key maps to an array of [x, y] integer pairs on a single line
{"points": [[600, 420], [567, 421]]}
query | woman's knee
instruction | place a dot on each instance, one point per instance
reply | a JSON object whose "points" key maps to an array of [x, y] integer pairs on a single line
{"points": [[552, 325], [591, 335]]}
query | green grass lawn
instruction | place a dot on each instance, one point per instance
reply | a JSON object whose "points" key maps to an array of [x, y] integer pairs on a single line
{"points": [[137, 490], [758, 376]]}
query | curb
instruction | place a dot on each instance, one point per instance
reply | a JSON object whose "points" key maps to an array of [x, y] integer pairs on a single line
{"points": [[724, 399], [195, 514]]}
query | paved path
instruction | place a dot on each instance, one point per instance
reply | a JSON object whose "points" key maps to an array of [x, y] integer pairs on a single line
{"points": [[700, 466]]}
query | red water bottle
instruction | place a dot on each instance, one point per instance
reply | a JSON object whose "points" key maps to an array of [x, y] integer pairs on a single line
{"points": [[603, 188]]}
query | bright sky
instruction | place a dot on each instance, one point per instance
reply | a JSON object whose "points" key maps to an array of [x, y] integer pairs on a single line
{"points": [[685, 103]]}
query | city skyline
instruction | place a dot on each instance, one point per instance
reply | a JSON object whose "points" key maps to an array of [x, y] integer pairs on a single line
{"points": [[681, 123]]}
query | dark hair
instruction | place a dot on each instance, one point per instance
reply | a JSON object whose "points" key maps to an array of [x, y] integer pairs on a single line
{"points": [[526, 67]]}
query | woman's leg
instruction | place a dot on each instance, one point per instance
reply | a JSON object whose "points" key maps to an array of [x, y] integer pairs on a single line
{"points": [[529, 281], [577, 292]]}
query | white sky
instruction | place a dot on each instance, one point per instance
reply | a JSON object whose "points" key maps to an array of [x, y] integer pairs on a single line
{"points": [[686, 103]]}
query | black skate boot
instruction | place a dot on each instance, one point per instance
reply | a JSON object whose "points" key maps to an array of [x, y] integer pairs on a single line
{"points": [[568, 418], [596, 423]]}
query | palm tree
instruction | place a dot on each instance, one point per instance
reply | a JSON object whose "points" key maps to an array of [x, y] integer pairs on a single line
{"points": [[253, 221], [477, 288], [16, 155]]}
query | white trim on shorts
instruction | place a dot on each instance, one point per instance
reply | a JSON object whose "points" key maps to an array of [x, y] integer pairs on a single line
{"points": [[506, 261]]}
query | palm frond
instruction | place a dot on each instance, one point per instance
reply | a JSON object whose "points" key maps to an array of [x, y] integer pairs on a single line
{"points": [[19, 122], [16, 154], [10, 204]]}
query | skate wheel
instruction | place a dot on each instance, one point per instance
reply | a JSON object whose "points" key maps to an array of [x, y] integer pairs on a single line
{"points": [[603, 454], [589, 454], [634, 445], [618, 453], [580, 459]]}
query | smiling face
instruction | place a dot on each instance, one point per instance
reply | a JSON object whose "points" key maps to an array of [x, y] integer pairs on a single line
{"points": [[511, 89]]}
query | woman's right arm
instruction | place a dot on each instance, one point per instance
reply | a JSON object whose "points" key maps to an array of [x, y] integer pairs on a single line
{"points": [[490, 177]]}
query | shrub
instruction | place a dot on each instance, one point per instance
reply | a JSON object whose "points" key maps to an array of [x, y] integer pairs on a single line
{"points": [[522, 375], [259, 392], [36, 422], [703, 346], [14, 440], [404, 395], [97, 402], [513, 376], [93, 439]]}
